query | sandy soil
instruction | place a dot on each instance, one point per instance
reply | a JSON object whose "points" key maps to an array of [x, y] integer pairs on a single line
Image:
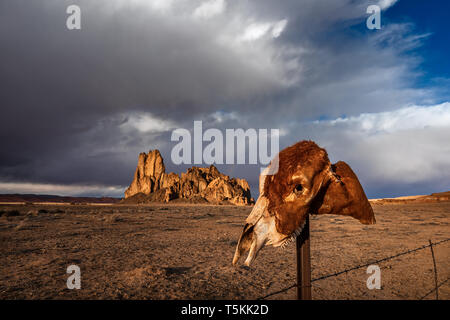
{"points": [[185, 252]]}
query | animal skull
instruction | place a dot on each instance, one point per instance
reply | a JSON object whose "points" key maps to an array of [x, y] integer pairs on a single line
{"points": [[305, 183]]}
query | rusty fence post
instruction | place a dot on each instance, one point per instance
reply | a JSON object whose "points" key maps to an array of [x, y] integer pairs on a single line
{"points": [[304, 264]]}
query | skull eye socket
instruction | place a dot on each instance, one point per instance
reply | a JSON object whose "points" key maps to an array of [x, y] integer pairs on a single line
{"points": [[298, 189]]}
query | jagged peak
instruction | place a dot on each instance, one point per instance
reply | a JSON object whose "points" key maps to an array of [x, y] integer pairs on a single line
{"points": [[195, 183]]}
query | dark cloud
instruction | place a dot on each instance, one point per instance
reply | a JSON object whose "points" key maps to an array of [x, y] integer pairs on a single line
{"points": [[71, 100]]}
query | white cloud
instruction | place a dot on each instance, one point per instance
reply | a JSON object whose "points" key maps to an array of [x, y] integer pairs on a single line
{"points": [[257, 30], [399, 36], [278, 28], [145, 122], [161, 5], [413, 117], [404, 146], [209, 9], [385, 4], [222, 116]]}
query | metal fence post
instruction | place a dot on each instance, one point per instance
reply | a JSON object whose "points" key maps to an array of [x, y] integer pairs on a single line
{"points": [[304, 264], [435, 271]]}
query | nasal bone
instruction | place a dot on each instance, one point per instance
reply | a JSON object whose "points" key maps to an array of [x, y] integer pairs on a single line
{"points": [[260, 237]]}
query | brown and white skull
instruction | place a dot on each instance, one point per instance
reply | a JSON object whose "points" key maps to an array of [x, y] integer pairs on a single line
{"points": [[305, 183]]}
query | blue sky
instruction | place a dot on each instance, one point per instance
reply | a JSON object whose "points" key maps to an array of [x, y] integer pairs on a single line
{"points": [[428, 17], [88, 101]]}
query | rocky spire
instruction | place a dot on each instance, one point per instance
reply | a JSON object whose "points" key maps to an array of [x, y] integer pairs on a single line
{"points": [[197, 184]]}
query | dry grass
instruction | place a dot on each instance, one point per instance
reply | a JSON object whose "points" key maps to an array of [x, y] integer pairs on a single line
{"points": [[185, 252]]}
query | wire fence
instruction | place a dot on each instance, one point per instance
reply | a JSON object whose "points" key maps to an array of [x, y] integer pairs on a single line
{"points": [[336, 274]]}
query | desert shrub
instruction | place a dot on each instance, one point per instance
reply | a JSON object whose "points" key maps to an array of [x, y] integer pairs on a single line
{"points": [[21, 225], [33, 213], [113, 218]]}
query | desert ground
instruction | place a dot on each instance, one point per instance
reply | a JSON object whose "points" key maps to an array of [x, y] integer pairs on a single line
{"points": [[185, 252]]}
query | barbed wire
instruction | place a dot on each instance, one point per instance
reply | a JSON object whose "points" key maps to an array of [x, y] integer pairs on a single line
{"points": [[435, 288], [335, 274]]}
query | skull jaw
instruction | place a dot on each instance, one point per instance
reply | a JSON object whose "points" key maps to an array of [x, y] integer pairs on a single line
{"points": [[254, 237]]}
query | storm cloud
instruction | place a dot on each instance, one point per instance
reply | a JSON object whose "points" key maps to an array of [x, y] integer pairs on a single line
{"points": [[79, 105]]}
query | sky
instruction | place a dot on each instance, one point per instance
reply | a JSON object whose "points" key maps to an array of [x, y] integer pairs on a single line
{"points": [[78, 106]]}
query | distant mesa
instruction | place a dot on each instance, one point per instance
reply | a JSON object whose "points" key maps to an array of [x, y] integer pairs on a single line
{"points": [[151, 183], [434, 197], [44, 198]]}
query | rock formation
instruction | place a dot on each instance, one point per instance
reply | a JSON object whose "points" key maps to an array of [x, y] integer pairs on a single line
{"points": [[152, 184], [148, 174]]}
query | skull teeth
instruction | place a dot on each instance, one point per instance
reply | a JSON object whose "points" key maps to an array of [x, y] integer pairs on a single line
{"points": [[292, 236]]}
